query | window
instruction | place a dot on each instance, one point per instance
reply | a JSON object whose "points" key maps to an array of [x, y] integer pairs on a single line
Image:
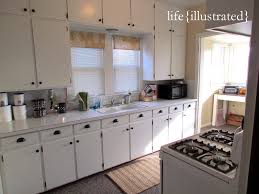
{"points": [[88, 70], [126, 64]]}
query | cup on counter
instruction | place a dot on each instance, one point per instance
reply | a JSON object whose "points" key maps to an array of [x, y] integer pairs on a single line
{"points": [[19, 112], [5, 113], [18, 99], [3, 99]]}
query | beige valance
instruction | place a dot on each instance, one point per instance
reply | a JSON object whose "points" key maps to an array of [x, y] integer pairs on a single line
{"points": [[126, 43], [87, 39]]}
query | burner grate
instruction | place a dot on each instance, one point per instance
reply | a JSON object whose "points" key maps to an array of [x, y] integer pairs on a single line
{"points": [[219, 136]]}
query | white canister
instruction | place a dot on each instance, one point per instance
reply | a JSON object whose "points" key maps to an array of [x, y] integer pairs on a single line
{"points": [[3, 99], [19, 112], [5, 114], [18, 99]]}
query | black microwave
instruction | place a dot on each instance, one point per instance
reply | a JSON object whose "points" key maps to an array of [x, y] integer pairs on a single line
{"points": [[172, 91]]}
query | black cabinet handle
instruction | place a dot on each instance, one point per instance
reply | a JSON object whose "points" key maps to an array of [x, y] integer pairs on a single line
{"points": [[77, 141], [100, 20], [127, 129], [167, 119], [189, 106], [32, 83], [57, 132], [172, 75], [128, 24], [40, 83], [133, 25], [115, 121], [25, 9], [87, 126], [175, 108], [20, 140], [170, 30], [160, 111], [33, 10], [141, 115], [131, 128], [169, 75], [37, 151], [71, 143]]}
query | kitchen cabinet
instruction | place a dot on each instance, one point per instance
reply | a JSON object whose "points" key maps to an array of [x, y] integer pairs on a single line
{"points": [[175, 126], [22, 170], [16, 53], [116, 146], [116, 13], [85, 11], [169, 47], [141, 138], [140, 22], [59, 162], [88, 153], [52, 51], [188, 123], [160, 132], [56, 9], [20, 7]]}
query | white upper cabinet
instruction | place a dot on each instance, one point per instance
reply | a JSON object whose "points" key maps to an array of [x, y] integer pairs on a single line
{"points": [[85, 11], [20, 7], [51, 39], [56, 9], [142, 15], [162, 43], [16, 53], [178, 56], [22, 171], [116, 13]]}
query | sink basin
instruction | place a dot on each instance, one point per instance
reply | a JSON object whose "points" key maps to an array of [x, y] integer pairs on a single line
{"points": [[119, 108]]}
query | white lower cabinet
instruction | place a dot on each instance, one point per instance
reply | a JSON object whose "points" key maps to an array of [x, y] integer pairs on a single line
{"points": [[59, 162], [188, 123], [88, 153], [160, 132], [175, 126], [140, 138], [116, 146], [22, 171]]}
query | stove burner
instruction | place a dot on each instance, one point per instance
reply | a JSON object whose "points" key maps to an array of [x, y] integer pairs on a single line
{"points": [[219, 136], [206, 154]]}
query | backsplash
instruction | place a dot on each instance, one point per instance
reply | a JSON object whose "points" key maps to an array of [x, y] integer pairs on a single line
{"points": [[61, 96]]}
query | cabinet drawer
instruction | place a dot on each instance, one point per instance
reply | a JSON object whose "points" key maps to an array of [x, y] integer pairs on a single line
{"points": [[115, 121], [87, 127], [140, 116], [56, 133], [20, 141], [189, 106], [176, 108], [160, 112]]}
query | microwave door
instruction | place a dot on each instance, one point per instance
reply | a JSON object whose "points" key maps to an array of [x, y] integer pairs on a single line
{"points": [[176, 92]]}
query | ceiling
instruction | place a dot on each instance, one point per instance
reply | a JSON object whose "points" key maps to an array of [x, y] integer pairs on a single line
{"points": [[187, 3]]}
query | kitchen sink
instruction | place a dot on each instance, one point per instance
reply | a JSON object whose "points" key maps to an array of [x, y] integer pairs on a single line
{"points": [[119, 108]]}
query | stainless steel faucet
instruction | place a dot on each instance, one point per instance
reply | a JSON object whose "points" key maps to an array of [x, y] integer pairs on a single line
{"points": [[127, 98], [112, 101]]}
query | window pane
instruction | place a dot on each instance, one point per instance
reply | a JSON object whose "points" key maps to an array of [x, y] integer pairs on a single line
{"points": [[88, 71], [126, 70]]}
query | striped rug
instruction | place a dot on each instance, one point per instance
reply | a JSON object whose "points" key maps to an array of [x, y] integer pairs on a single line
{"points": [[136, 177]]}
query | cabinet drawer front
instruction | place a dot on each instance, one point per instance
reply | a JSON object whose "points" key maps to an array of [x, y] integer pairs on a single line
{"points": [[115, 121], [140, 116], [56, 133], [160, 112], [176, 108], [87, 127], [189, 106], [20, 141]]}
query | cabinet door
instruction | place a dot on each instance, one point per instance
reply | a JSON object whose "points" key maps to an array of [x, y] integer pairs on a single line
{"points": [[141, 138], [22, 171], [51, 39], [16, 53], [178, 56], [59, 162], [20, 7], [140, 23], [116, 13], [188, 123], [160, 132], [85, 11], [115, 146], [88, 153], [162, 43], [175, 126], [56, 9]]}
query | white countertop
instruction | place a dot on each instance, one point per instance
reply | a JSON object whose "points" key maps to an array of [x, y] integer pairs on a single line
{"points": [[74, 117]]}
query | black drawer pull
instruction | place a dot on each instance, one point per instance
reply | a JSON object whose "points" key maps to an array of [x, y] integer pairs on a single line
{"points": [[77, 141], [57, 132], [37, 151], [189, 106], [20, 140], [115, 121], [160, 111], [175, 108], [141, 115], [71, 143], [87, 126]]}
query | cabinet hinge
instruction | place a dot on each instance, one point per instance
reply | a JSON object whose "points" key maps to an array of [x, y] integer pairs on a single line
{"points": [[41, 148], [45, 184], [2, 157], [152, 122], [101, 134], [67, 15]]}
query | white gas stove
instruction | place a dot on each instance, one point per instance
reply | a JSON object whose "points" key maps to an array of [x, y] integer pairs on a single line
{"points": [[201, 164]]}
